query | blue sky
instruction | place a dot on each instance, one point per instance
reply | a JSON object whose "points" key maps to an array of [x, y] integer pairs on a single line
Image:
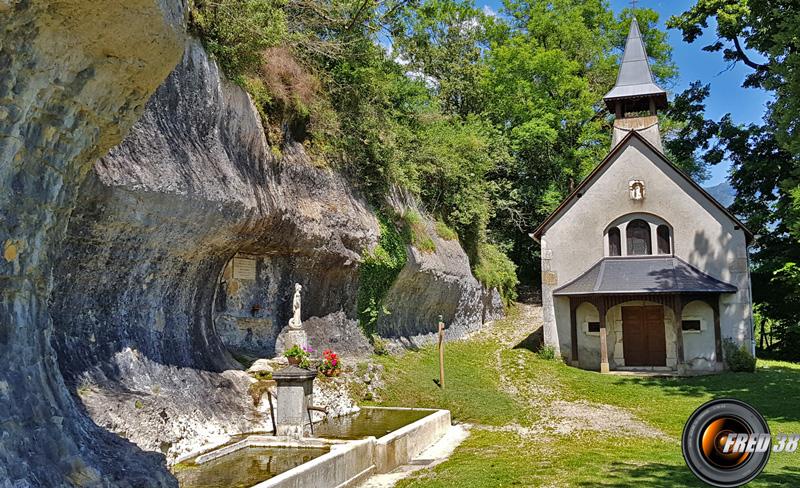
{"points": [[727, 95]]}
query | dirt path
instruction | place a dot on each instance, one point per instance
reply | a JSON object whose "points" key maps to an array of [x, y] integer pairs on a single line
{"points": [[553, 414]]}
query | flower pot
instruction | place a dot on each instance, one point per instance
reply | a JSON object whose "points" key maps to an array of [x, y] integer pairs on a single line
{"points": [[294, 360]]}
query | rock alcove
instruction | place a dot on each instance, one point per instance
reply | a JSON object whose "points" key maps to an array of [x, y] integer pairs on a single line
{"points": [[119, 314]]}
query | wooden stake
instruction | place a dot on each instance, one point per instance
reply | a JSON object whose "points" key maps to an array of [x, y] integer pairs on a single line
{"points": [[441, 353]]}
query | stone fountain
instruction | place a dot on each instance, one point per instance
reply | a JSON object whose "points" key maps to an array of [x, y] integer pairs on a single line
{"points": [[295, 397], [295, 385]]}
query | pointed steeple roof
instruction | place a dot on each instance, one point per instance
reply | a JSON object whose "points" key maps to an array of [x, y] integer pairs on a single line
{"points": [[635, 80]]}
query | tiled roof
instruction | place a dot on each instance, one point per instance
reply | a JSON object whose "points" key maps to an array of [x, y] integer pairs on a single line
{"points": [[643, 275]]}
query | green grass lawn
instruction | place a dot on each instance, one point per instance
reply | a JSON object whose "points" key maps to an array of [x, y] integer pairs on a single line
{"points": [[490, 458]]}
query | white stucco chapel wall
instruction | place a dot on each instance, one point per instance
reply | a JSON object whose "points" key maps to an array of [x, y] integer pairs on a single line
{"points": [[702, 235]]}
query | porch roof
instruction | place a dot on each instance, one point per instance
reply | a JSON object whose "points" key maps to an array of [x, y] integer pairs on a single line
{"points": [[643, 275]]}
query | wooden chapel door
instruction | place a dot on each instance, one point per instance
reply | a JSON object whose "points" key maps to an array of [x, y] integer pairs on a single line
{"points": [[643, 338]]}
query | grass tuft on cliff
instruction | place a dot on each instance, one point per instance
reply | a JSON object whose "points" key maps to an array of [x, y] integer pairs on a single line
{"points": [[418, 231]]}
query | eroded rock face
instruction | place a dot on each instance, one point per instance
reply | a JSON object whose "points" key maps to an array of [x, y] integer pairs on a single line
{"points": [[193, 184], [433, 284], [75, 76], [155, 405], [110, 273]]}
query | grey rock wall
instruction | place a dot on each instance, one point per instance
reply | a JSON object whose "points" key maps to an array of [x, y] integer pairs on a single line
{"points": [[75, 76], [113, 250], [192, 184], [433, 284]]}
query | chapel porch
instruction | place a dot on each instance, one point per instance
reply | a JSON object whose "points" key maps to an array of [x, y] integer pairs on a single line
{"points": [[654, 314]]}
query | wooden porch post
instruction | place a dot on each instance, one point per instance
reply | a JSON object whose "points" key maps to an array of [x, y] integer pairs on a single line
{"points": [[601, 307], [677, 309], [717, 329], [573, 329]]}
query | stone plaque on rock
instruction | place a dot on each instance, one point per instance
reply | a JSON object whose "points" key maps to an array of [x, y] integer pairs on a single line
{"points": [[244, 269]]}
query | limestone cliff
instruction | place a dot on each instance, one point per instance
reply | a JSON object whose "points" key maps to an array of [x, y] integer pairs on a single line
{"points": [[114, 295], [70, 89], [157, 219]]}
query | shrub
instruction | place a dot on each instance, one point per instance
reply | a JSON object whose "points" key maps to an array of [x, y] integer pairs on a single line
{"points": [[495, 270], [737, 357], [379, 345], [290, 95], [547, 352], [236, 32]]}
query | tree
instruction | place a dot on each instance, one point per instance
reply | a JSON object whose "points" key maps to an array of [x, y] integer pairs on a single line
{"points": [[765, 36], [444, 41], [760, 168], [687, 132], [543, 84]]}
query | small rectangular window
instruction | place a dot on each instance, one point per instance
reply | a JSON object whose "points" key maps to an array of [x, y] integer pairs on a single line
{"points": [[594, 327], [689, 325]]}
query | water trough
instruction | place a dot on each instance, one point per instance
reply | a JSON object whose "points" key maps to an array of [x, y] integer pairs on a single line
{"points": [[349, 459]]}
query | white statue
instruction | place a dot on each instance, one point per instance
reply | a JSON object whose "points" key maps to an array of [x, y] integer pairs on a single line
{"points": [[295, 322], [636, 188]]}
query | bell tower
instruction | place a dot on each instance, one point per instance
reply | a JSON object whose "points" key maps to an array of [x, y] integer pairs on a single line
{"points": [[635, 98]]}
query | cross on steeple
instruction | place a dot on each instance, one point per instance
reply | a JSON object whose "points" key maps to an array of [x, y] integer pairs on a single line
{"points": [[633, 4]]}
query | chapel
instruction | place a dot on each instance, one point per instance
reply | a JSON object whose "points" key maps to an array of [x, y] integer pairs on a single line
{"points": [[642, 269]]}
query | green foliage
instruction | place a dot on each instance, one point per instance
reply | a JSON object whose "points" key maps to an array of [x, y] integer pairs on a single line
{"points": [[488, 121], [737, 357], [762, 35], [745, 27], [452, 160], [687, 132], [762, 173], [299, 353], [495, 270], [418, 231], [445, 232], [378, 271], [236, 32], [547, 352], [543, 78], [444, 40], [379, 346]]}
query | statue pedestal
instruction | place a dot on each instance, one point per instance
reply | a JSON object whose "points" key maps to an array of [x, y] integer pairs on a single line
{"points": [[295, 394], [288, 338]]}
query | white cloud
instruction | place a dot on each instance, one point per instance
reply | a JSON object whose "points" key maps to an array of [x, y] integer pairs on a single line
{"points": [[488, 10]]}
